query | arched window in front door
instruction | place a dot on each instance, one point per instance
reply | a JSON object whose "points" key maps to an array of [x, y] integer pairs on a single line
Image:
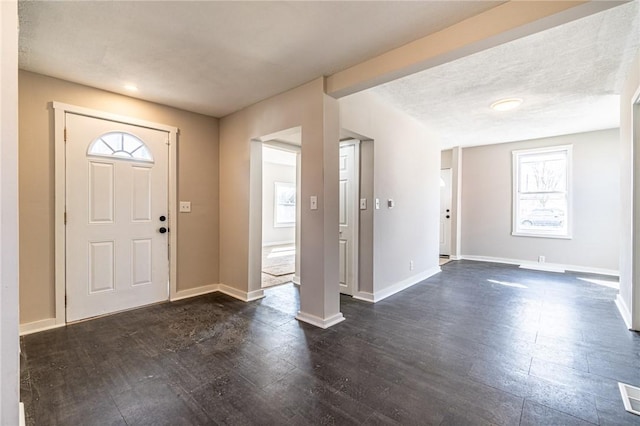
{"points": [[120, 145]]}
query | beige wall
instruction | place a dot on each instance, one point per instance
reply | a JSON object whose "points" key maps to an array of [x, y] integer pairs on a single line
{"points": [[407, 169], [487, 203], [630, 197], [241, 194], [197, 182]]}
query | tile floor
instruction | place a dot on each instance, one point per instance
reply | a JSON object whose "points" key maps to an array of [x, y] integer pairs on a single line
{"points": [[477, 344]]}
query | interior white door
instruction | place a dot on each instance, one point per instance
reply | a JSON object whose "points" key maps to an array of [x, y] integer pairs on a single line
{"points": [[116, 208], [445, 212], [348, 218]]}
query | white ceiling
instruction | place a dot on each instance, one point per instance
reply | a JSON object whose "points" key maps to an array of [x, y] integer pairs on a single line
{"points": [[569, 77], [218, 57]]}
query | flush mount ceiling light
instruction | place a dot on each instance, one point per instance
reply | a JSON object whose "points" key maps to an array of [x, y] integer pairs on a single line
{"points": [[506, 104], [131, 87]]}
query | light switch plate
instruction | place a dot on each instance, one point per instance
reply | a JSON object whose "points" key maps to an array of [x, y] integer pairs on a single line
{"points": [[377, 203], [185, 206], [390, 203], [313, 202], [363, 203]]}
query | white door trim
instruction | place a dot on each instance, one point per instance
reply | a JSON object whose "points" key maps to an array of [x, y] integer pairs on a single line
{"points": [[60, 109]]}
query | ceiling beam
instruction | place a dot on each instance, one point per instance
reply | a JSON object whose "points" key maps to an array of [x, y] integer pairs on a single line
{"points": [[506, 22]]}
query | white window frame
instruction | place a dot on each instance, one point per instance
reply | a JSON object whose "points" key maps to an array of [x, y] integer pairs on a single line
{"points": [[516, 155]]}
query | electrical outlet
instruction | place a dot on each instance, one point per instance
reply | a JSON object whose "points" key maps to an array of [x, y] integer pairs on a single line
{"points": [[541, 259], [411, 265], [363, 203]]}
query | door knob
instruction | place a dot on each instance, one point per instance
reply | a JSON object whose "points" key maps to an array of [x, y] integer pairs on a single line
{"points": [[163, 218], [162, 230]]}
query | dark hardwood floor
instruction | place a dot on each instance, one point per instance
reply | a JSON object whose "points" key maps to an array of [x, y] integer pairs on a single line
{"points": [[479, 343]]}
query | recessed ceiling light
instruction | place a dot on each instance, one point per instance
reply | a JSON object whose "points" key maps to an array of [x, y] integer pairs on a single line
{"points": [[506, 104], [131, 87]]}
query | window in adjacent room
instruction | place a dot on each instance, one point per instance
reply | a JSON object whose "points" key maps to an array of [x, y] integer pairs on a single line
{"points": [[285, 204], [541, 192]]}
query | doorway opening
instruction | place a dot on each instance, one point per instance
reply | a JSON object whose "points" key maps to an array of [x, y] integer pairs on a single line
{"points": [[280, 165]]}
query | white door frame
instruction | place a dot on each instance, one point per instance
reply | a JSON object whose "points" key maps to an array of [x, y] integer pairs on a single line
{"points": [[60, 110], [355, 259]]}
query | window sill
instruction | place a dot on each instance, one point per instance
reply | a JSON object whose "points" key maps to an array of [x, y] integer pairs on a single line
{"points": [[556, 237]]}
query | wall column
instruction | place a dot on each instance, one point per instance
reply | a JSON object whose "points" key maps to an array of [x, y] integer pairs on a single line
{"points": [[9, 343]]}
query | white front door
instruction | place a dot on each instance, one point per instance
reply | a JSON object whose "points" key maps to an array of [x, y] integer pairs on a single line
{"points": [[117, 216], [348, 218], [445, 212]]}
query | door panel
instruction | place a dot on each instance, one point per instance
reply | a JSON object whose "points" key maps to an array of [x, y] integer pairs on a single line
{"points": [[141, 194], [101, 266], [115, 257], [101, 192], [348, 197], [142, 261], [445, 212]]}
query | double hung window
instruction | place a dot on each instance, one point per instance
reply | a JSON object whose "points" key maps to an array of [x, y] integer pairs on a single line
{"points": [[541, 192]]}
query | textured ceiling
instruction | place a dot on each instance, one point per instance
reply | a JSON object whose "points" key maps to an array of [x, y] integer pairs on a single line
{"points": [[217, 57], [569, 77]]}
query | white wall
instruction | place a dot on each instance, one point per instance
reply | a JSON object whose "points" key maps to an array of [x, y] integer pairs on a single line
{"points": [[9, 349], [272, 173], [629, 298], [406, 164], [487, 204]]}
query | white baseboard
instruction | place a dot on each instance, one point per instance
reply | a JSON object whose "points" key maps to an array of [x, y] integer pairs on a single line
{"points": [[296, 280], [319, 322], [36, 326], [364, 296], [377, 296], [551, 266], [455, 257], [546, 267], [624, 311], [278, 243], [240, 294], [193, 292], [22, 419]]}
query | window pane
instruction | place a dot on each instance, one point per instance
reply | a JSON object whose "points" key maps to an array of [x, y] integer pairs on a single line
{"points": [[543, 212], [130, 143], [285, 200], [541, 178], [121, 145], [543, 175]]}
